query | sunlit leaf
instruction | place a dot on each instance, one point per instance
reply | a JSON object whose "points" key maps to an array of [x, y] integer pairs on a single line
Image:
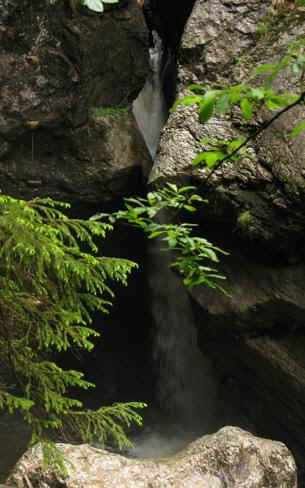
{"points": [[172, 187], [223, 104], [195, 87], [297, 130], [257, 93], [95, 5], [272, 104], [210, 158], [189, 208], [185, 101], [264, 68], [207, 104], [246, 108]]}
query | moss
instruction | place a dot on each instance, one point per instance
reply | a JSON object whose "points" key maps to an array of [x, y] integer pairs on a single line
{"points": [[244, 220], [113, 112]]}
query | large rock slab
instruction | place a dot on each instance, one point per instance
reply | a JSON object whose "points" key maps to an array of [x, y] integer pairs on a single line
{"points": [[262, 297], [263, 383], [222, 44], [231, 457], [67, 83], [255, 211]]}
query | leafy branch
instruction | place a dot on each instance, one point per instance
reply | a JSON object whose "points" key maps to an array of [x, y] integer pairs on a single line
{"points": [[191, 253], [221, 100]]}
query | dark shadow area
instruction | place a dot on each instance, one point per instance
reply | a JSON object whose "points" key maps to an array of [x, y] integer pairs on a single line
{"points": [[120, 364]]}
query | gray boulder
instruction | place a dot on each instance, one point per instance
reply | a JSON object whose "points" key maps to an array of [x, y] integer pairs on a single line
{"points": [[231, 457]]}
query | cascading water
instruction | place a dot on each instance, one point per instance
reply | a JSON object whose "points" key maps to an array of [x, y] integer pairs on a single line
{"points": [[186, 387], [149, 109]]}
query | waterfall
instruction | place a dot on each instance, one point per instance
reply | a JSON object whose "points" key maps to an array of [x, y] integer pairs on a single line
{"points": [[186, 388], [149, 108]]}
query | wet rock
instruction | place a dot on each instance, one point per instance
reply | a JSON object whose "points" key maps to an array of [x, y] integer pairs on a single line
{"points": [[231, 457]]}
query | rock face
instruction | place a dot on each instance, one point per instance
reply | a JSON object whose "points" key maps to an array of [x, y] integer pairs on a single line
{"points": [[67, 83], [231, 457], [256, 211], [223, 44]]}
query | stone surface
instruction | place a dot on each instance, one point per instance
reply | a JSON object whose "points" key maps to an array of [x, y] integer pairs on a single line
{"points": [[256, 211], [231, 457], [262, 386], [222, 44], [261, 297], [56, 69]]}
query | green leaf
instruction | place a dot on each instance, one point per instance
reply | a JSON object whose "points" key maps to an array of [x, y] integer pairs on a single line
{"points": [[189, 208], [223, 104], [272, 103], [257, 93], [95, 5], [195, 87], [236, 143], [296, 68], [190, 99], [198, 159], [235, 97], [172, 187], [210, 158], [264, 68], [297, 130], [246, 108], [186, 101], [207, 104], [184, 189]]}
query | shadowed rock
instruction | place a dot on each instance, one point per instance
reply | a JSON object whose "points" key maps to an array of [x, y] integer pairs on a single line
{"points": [[67, 84]]}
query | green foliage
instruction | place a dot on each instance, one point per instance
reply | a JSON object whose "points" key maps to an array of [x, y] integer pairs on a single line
{"points": [[221, 100], [220, 149], [192, 253], [96, 5], [244, 219], [49, 286], [114, 112]]}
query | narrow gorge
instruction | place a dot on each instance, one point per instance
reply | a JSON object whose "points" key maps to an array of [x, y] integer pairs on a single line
{"points": [[85, 118]]}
